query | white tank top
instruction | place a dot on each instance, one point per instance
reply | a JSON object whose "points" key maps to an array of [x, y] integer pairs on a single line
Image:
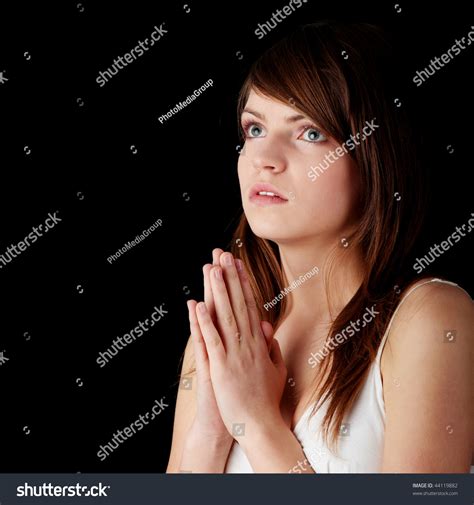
{"points": [[361, 450]]}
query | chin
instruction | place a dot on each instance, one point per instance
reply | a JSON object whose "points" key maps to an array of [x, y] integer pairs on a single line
{"points": [[276, 232]]}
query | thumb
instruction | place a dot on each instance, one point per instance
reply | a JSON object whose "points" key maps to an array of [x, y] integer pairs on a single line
{"points": [[276, 356], [268, 332]]}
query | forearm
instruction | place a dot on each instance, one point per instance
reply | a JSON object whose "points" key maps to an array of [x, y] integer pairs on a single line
{"points": [[274, 449], [204, 454]]}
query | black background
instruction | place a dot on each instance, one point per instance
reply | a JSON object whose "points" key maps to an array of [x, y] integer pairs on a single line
{"points": [[81, 164]]}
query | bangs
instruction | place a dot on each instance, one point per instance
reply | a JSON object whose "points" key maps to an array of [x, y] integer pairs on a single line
{"points": [[300, 76]]}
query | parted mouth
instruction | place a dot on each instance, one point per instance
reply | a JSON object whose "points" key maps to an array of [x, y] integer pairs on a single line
{"points": [[264, 189]]}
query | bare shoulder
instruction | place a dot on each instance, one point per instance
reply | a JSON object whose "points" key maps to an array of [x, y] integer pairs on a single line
{"points": [[432, 312], [427, 373]]}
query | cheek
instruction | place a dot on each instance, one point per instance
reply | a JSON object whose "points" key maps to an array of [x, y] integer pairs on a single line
{"points": [[333, 196], [243, 172]]}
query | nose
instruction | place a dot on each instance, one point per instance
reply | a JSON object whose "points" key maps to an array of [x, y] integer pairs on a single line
{"points": [[268, 157]]}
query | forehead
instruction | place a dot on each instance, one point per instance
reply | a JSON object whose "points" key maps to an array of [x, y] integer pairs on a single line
{"points": [[265, 106], [257, 100]]}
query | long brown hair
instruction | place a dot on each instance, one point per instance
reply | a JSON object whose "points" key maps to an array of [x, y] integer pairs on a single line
{"points": [[336, 74]]}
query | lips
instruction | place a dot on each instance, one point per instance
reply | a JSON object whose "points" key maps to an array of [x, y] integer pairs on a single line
{"points": [[265, 193]]}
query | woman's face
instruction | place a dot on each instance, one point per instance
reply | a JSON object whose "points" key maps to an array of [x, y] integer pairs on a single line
{"points": [[281, 147]]}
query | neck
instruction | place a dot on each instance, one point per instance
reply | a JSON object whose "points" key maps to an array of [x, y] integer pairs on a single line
{"points": [[339, 275]]}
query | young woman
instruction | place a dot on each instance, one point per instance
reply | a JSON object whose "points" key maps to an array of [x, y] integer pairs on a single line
{"points": [[316, 349]]}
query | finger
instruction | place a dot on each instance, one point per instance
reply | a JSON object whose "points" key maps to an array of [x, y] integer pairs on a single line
{"points": [[268, 333], [199, 346], [253, 314], [236, 295], [226, 320], [214, 345], [216, 254], [208, 298]]}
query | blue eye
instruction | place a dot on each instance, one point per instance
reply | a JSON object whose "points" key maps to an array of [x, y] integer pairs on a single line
{"points": [[252, 130], [313, 135]]}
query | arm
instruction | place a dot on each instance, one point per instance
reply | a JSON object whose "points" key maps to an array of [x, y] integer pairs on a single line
{"points": [[274, 449], [428, 384], [248, 378], [184, 414], [204, 454], [190, 449], [201, 442]]}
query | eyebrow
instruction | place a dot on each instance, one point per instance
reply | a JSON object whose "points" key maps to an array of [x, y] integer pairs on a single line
{"points": [[289, 119]]}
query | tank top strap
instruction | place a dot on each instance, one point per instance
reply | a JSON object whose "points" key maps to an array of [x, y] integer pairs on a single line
{"points": [[410, 291]]}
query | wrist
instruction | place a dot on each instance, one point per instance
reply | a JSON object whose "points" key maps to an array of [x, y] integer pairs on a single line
{"points": [[204, 453], [271, 447], [263, 432], [215, 441]]}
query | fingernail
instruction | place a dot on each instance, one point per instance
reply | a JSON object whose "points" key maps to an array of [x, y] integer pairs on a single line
{"points": [[228, 259], [218, 273], [202, 307], [240, 265]]}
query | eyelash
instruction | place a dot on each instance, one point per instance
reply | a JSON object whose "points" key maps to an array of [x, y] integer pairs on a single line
{"points": [[245, 126], [247, 123]]}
